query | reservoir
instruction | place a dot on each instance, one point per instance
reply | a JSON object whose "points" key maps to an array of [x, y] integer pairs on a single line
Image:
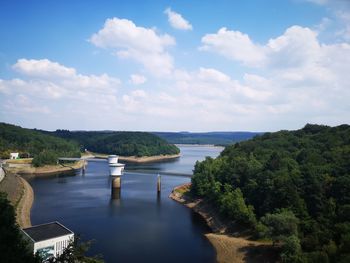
{"points": [[138, 227]]}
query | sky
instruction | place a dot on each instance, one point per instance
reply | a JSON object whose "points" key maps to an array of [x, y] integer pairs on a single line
{"points": [[174, 65]]}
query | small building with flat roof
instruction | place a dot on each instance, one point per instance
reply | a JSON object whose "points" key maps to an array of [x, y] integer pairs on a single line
{"points": [[14, 156], [49, 239]]}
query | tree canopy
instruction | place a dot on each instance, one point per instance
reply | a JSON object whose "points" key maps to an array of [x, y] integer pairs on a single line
{"points": [[121, 143], [291, 186], [44, 148]]}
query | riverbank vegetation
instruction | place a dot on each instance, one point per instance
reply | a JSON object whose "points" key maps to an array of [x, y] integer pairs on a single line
{"points": [[43, 148], [120, 143], [292, 187]]}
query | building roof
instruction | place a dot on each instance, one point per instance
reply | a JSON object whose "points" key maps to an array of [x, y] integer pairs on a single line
{"points": [[46, 231]]}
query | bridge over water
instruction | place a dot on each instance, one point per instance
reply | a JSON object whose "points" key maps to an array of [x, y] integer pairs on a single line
{"points": [[99, 159]]}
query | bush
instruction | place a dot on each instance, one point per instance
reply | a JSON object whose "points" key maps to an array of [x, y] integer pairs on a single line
{"points": [[44, 158]]}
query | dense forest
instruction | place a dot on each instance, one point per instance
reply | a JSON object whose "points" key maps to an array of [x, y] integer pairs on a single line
{"points": [[121, 143], [216, 138], [292, 187], [43, 148]]}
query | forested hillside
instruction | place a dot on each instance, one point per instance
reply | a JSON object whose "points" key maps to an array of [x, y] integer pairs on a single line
{"points": [[121, 143], [216, 138], [290, 186], [43, 148]]}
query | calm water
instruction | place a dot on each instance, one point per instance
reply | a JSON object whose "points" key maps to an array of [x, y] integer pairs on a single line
{"points": [[138, 227]]}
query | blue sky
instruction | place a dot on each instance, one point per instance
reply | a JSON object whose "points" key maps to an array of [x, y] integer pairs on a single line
{"points": [[174, 65]]}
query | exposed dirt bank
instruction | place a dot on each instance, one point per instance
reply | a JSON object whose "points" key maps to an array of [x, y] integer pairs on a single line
{"points": [[232, 244], [27, 169], [20, 193], [21, 196], [144, 159]]}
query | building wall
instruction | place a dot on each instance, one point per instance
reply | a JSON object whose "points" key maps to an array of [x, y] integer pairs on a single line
{"points": [[14, 155], [54, 246]]}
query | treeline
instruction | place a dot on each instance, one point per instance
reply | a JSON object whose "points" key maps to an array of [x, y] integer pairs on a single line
{"points": [[121, 143], [43, 148], [216, 138], [290, 186]]}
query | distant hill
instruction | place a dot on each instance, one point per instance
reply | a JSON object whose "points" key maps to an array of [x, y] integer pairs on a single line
{"points": [[121, 143], [217, 138], [45, 148]]}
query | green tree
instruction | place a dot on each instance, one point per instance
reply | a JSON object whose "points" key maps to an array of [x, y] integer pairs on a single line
{"points": [[233, 205], [281, 224], [76, 253], [13, 248]]}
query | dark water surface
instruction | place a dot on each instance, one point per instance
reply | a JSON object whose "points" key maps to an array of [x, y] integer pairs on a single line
{"points": [[138, 227]]}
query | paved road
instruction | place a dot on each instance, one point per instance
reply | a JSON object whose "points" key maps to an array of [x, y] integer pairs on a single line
{"points": [[2, 172]]}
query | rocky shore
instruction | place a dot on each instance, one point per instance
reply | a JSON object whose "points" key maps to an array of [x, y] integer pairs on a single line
{"points": [[231, 243]]}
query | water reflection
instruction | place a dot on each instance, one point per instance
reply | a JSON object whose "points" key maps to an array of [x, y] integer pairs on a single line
{"points": [[115, 193]]}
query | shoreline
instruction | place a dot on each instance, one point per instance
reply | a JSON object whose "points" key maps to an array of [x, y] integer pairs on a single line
{"points": [[149, 159], [198, 145], [21, 194], [25, 205], [143, 159], [25, 169], [230, 247]]}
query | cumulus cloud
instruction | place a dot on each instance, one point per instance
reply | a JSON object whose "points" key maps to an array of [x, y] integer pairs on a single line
{"points": [[297, 47], [45, 83], [234, 45], [177, 21], [43, 68], [299, 80], [137, 79], [141, 44], [286, 82]]}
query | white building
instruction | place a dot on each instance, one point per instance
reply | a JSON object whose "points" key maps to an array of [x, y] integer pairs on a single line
{"points": [[49, 240], [14, 156]]}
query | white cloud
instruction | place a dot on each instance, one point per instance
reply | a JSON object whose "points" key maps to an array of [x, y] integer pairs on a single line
{"points": [[212, 75], [177, 21], [21, 104], [50, 81], [141, 44], [344, 19], [309, 87], [297, 47], [42, 68], [234, 45], [318, 2], [137, 79]]}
